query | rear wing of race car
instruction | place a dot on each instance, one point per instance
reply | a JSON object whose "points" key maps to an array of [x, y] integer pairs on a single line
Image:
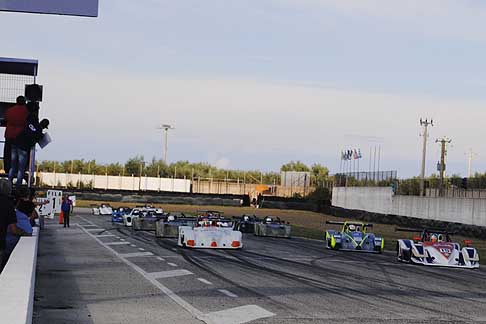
{"points": [[420, 230], [350, 223]]}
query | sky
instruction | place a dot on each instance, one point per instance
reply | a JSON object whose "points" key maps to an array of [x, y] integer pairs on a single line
{"points": [[255, 84]]}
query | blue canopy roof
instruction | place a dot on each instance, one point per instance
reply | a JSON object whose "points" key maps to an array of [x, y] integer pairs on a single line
{"points": [[18, 66]]}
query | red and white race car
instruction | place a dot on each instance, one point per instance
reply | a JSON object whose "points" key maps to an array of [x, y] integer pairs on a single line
{"points": [[435, 248]]}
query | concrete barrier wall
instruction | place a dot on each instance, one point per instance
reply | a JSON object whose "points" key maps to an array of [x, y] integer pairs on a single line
{"points": [[114, 182], [381, 200], [372, 199], [17, 282]]}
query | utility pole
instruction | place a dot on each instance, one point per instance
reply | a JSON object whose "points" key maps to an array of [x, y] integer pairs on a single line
{"points": [[470, 156], [165, 128], [425, 124], [443, 152]]}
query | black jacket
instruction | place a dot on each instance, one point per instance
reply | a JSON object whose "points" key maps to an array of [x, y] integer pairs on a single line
{"points": [[30, 135], [7, 217]]}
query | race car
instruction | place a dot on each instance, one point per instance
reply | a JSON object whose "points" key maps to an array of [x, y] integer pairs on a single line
{"points": [[147, 219], [128, 218], [434, 247], [117, 215], [104, 209], [354, 237], [169, 226], [246, 223], [211, 232], [272, 227]]}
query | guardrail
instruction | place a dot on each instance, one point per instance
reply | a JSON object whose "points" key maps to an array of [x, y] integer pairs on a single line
{"points": [[17, 282]]}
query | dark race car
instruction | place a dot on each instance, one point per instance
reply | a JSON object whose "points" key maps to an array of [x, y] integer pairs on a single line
{"points": [[169, 226], [246, 223], [354, 237], [272, 227], [147, 219]]}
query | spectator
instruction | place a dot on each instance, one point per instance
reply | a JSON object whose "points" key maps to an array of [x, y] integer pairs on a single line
{"points": [[15, 120], [66, 207], [21, 146], [24, 212], [8, 219]]}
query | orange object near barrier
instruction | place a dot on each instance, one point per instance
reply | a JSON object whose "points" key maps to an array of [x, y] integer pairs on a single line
{"points": [[61, 218]]}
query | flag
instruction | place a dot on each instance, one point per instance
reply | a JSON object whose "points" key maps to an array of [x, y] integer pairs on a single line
{"points": [[355, 154], [359, 154]]}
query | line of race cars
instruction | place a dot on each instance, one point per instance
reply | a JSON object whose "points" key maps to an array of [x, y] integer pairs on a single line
{"points": [[210, 229]]}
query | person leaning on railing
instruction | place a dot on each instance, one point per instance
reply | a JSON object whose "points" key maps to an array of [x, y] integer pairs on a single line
{"points": [[8, 218], [24, 212]]}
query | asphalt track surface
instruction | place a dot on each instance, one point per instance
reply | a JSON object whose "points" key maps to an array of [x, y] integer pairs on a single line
{"points": [[298, 280]]}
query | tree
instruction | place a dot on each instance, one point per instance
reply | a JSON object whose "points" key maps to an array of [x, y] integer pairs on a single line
{"points": [[135, 166], [295, 166]]}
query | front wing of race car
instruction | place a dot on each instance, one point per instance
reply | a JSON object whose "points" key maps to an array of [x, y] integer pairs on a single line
{"points": [[272, 230], [342, 241], [440, 254], [209, 237]]}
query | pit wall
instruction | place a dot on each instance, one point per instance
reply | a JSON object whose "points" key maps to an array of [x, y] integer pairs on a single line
{"points": [[381, 200]]}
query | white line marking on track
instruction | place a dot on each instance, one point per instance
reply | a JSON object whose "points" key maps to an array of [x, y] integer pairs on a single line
{"points": [[236, 315], [172, 264], [227, 293], [141, 249], [135, 254], [122, 239], [105, 235], [241, 314], [133, 245], [117, 243], [207, 282], [169, 274], [84, 225], [161, 259], [93, 229]]}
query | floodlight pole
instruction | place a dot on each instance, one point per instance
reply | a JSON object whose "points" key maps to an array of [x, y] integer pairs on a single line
{"points": [[165, 128], [470, 157], [424, 123]]}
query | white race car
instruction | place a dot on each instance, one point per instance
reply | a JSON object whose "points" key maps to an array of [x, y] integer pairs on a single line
{"points": [[435, 248], [211, 233], [104, 209], [128, 218]]}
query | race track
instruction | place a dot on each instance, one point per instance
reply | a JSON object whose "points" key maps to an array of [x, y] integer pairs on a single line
{"points": [[299, 281]]}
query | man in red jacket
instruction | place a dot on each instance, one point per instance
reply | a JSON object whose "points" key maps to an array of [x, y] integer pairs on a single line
{"points": [[16, 119]]}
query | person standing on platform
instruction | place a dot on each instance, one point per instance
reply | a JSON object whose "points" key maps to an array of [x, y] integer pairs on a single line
{"points": [[66, 209], [15, 120]]}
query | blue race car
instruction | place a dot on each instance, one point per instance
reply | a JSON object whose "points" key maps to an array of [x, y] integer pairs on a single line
{"points": [[354, 237], [117, 215]]}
